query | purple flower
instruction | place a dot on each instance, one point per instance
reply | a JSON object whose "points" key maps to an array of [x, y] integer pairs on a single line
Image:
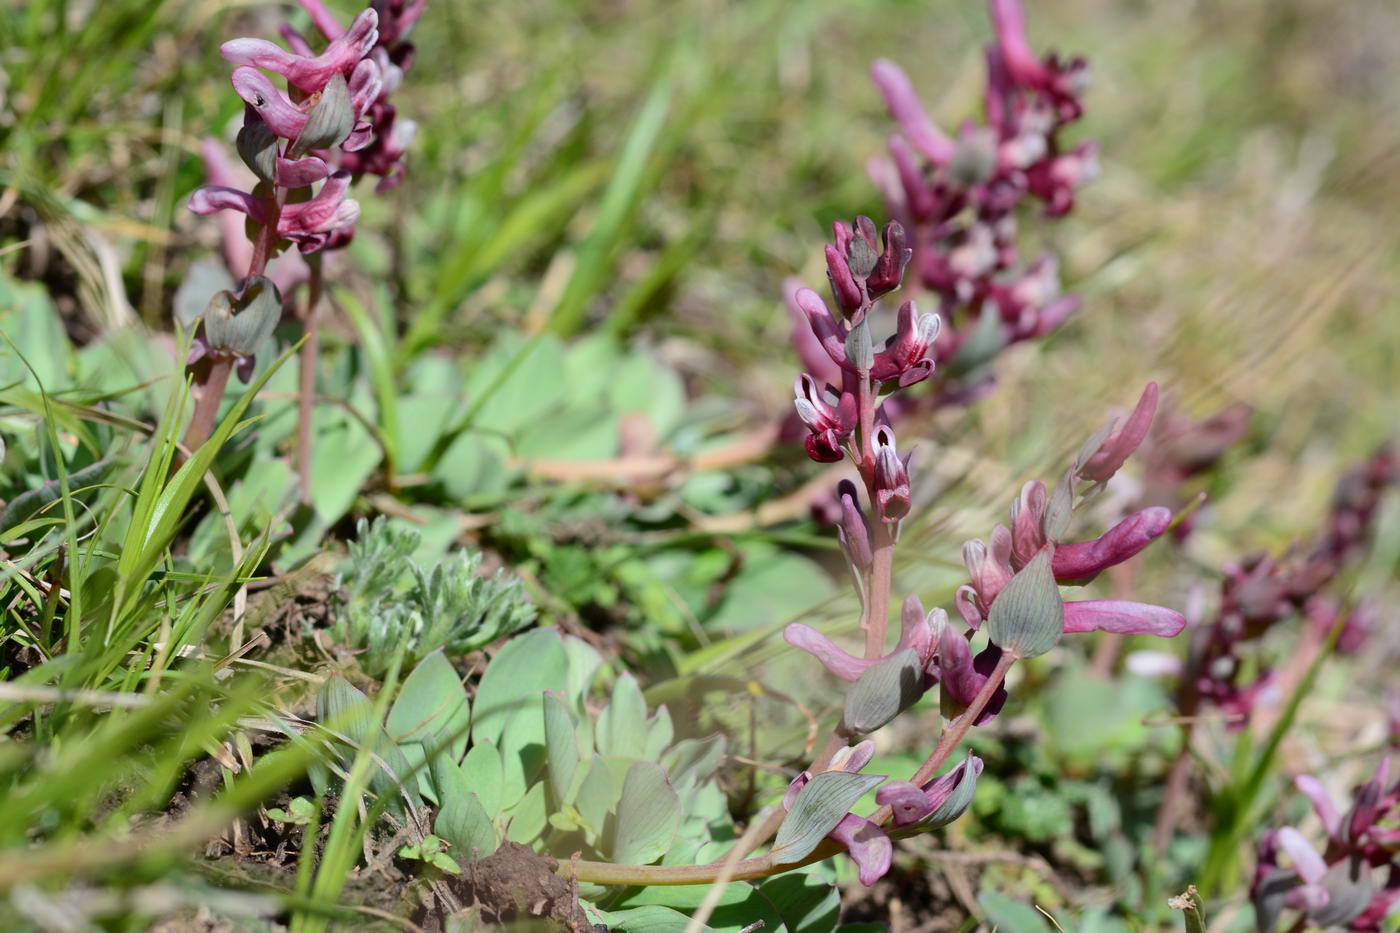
{"points": [[310, 224], [939, 801], [1037, 522], [959, 199], [1335, 888], [919, 630], [309, 74], [1114, 451], [891, 477], [906, 355], [829, 417]]}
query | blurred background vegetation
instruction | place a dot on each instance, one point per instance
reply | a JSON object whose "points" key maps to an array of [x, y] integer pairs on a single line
{"points": [[649, 172]]}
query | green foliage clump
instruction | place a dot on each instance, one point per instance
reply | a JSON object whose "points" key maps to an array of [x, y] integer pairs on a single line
{"points": [[390, 600]]}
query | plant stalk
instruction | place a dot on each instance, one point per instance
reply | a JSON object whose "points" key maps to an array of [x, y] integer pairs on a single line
{"points": [[211, 395], [958, 728]]}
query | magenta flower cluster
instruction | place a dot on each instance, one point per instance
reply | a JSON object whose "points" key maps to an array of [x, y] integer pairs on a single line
{"points": [[1354, 883], [1034, 527], [959, 199], [1259, 592], [307, 144]]}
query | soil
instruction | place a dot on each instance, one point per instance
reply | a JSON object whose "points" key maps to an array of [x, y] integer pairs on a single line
{"points": [[513, 886]]}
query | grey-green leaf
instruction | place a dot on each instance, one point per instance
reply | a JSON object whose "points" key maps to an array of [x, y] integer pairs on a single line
{"points": [[240, 324], [527, 666], [883, 692], [819, 806], [462, 821], [960, 799], [597, 795], [432, 708], [1028, 616], [561, 747], [483, 772], [860, 349], [648, 815], [622, 727], [257, 147]]}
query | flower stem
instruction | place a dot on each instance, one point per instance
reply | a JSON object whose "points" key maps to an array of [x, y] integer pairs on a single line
{"points": [[306, 393], [745, 870], [877, 581], [206, 407], [956, 729], [266, 240]]}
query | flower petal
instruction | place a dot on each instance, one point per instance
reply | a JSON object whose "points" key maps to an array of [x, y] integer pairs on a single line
{"points": [[842, 665], [1122, 617], [904, 105], [868, 846], [1082, 561], [1322, 803]]}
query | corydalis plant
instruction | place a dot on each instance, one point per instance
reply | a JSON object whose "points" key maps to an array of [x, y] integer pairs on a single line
{"points": [[306, 145], [960, 199]]}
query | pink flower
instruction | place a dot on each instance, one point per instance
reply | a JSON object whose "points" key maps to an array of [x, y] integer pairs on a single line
{"points": [[919, 631], [309, 74], [310, 224], [1115, 450]]}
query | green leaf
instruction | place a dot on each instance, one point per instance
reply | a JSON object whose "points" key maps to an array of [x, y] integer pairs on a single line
{"points": [[345, 710], [561, 748], [621, 728], [1028, 616], [344, 455], [691, 761], [597, 795], [527, 666], [819, 806], [1011, 916], [529, 817], [807, 904], [652, 919], [648, 815], [584, 661], [643, 386], [432, 708], [883, 692], [484, 774], [462, 821]]}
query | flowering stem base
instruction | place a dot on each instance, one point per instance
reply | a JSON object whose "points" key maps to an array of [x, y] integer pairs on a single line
{"points": [[211, 395]]}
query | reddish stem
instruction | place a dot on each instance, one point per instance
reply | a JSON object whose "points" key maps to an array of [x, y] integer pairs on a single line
{"points": [[954, 732], [211, 394]]}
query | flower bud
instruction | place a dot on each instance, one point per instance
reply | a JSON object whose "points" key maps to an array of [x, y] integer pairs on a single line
{"points": [[854, 529], [888, 271], [891, 477]]}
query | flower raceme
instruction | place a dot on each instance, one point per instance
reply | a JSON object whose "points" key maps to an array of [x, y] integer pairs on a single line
{"points": [[1355, 882], [958, 199]]}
